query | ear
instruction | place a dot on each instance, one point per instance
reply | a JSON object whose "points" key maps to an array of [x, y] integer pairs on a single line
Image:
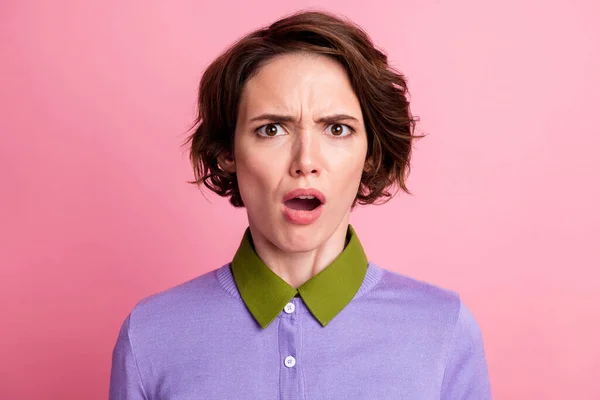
{"points": [[226, 162]]}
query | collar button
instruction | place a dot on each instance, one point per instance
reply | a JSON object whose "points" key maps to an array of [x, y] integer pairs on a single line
{"points": [[289, 308]]}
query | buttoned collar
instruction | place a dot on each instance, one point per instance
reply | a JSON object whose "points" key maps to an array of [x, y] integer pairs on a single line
{"points": [[325, 294]]}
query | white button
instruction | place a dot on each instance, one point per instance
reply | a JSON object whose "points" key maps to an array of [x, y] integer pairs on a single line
{"points": [[289, 308], [290, 361]]}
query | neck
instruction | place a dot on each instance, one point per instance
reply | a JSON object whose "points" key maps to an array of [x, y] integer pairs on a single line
{"points": [[299, 266]]}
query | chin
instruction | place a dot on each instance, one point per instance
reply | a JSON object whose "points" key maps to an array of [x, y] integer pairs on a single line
{"points": [[303, 238], [301, 246]]}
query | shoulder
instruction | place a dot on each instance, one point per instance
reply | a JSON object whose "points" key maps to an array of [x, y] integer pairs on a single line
{"points": [[426, 301], [181, 302], [431, 307], [417, 300], [409, 289]]}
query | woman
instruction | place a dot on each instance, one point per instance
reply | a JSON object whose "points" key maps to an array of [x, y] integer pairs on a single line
{"points": [[298, 122]]}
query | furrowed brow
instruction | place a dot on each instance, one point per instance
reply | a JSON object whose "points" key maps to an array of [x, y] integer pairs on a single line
{"points": [[336, 118], [273, 117], [330, 119]]}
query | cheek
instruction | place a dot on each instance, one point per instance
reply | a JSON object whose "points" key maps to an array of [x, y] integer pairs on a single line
{"points": [[350, 173], [255, 175], [355, 174], [355, 162]]}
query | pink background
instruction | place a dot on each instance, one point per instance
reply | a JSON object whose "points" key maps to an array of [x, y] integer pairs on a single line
{"points": [[95, 100]]}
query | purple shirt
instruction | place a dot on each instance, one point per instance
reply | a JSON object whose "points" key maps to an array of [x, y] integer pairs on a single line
{"points": [[399, 338]]}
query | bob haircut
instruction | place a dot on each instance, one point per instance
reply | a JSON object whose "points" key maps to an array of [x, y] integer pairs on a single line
{"points": [[382, 93]]}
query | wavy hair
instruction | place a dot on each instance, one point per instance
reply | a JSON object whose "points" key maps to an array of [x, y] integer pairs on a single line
{"points": [[381, 90]]}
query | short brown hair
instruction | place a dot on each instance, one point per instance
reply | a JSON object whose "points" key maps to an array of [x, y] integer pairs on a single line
{"points": [[381, 91]]}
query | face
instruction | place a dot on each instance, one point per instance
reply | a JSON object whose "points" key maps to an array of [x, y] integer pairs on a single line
{"points": [[299, 126]]}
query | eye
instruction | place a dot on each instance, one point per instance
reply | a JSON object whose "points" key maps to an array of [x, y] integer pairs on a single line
{"points": [[270, 130], [337, 130]]}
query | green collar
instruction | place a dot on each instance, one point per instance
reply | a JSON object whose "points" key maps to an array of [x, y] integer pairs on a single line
{"points": [[325, 294]]}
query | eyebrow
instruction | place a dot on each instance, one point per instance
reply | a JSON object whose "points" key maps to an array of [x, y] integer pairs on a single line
{"points": [[288, 118]]}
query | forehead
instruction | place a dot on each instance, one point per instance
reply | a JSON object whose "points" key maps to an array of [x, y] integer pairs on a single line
{"points": [[297, 82]]}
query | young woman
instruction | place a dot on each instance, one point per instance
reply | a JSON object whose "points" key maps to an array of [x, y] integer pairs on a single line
{"points": [[298, 122]]}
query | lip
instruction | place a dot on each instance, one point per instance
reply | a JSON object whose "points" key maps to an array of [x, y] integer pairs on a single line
{"points": [[305, 192], [303, 217]]}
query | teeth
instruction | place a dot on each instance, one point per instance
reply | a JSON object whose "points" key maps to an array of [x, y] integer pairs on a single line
{"points": [[306, 197]]}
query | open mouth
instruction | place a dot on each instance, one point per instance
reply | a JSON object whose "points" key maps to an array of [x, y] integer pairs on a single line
{"points": [[307, 203]]}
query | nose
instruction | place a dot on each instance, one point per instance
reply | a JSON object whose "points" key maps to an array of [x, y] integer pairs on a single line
{"points": [[306, 154]]}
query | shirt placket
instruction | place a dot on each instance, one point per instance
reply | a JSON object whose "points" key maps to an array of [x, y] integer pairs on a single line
{"points": [[290, 376]]}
